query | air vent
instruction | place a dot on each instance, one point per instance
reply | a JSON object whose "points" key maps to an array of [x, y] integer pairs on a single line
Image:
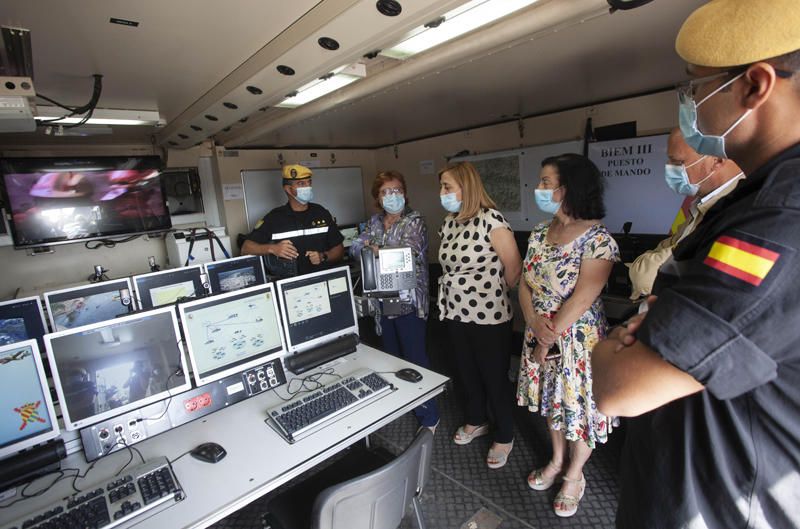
{"points": [[435, 23], [183, 136], [390, 8], [243, 120], [372, 54], [232, 106], [328, 43], [195, 127], [256, 91], [285, 70], [263, 109], [209, 117]]}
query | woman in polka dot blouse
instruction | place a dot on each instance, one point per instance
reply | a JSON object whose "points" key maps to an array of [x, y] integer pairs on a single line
{"points": [[480, 262]]}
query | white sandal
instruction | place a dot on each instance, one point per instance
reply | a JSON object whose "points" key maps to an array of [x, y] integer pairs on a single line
{"points": [[571, 502], [462, 437]]}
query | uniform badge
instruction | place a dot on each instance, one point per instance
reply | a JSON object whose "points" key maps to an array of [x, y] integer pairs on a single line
{"points": [[747, 260], [293, 172]]}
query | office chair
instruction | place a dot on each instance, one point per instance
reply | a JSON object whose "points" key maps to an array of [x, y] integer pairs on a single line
{"points": [[377, 499]]}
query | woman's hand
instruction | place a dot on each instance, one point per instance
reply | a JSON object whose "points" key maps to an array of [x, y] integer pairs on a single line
{"points": [[540, 352], [543, 330]]}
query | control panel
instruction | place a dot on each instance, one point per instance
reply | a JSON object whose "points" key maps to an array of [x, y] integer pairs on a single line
{"points": [[115, 434]]}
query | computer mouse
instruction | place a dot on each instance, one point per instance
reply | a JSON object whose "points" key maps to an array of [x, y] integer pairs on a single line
{"points": [[209, 452], [409, 375]]}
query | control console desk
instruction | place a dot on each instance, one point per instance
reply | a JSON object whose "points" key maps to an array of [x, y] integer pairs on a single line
{"points": [[258, 460]]}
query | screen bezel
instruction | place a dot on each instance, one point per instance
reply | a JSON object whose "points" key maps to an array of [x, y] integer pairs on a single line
{"points": [[38, 300], [47, 295], [201, 379], [71, 425], [55, 430], [182, 269], [217, 265], [303, 346], [7, 163]]}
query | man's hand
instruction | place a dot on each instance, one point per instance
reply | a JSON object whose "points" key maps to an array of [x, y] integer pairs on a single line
{"points": [[625, 334], [285, 250], [314, 257]]}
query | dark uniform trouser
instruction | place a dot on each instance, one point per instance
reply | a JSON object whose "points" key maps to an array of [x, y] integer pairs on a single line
{"points": [[482, 354]]}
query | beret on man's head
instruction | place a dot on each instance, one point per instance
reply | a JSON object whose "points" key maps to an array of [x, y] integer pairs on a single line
{"points": [[725, 33], [295, 172]]}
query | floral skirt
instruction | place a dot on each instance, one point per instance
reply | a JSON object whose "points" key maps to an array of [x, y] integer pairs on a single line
{"points": [[561, 389]]}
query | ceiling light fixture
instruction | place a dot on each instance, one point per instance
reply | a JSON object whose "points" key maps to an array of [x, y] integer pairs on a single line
{"points": [[326, 84], [452, 24], [101, 116]]}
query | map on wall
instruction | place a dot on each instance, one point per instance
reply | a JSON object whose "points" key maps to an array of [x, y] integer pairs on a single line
{"points": [[501, 179]]}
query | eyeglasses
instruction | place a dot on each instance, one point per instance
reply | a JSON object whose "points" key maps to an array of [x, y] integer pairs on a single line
{"points": [[687, 90], [392, 191]]}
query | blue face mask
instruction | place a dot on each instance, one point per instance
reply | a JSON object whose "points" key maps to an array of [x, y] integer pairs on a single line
{"points": [[305, 195], [544, 200], [450, 202], [678, 179], [393, 203], [704, 143]]}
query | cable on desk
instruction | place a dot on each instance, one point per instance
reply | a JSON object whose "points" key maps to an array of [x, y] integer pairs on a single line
{"points": [[180, 456], [23, 495], [304, 388]]}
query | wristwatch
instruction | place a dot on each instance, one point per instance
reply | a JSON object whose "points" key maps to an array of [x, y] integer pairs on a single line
{"points": [[323, 257]]}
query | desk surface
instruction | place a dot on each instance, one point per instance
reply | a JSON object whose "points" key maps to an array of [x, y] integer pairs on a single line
{"points": [[258, 459]]}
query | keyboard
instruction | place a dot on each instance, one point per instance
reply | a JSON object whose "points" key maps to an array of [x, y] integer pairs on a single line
{"points": [[307, 413], [136, 491]]}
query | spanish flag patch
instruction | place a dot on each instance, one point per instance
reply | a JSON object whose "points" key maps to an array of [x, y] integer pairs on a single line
{"points": [[748, 261]]}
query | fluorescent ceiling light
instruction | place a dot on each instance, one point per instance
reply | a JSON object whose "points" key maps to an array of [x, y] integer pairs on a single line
{"points": [[101, 116], [316, 89], [457, 22]]}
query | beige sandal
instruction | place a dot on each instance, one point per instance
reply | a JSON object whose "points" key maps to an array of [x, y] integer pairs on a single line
{"points": [[538, 481], [462, 437], [571, 502], [497, 457]]}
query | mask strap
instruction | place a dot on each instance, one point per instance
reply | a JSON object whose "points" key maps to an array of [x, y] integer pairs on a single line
{"points": [[722, 87], [706, 178], [735, 123], [696, 161]]}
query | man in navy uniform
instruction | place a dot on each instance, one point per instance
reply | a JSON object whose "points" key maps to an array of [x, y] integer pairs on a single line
{"points": [[712, 372], [298, 231]]}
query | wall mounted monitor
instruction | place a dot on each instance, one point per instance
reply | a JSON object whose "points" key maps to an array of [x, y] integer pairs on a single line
{"points": [[64, 200], [27, 415], [109, 368], [236, 273], [74, 307], [317, 308], [231, 332], [168, 286], [22, 319]]}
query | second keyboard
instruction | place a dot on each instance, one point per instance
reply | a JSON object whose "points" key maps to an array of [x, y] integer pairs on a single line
{"points": [[306, 413]]}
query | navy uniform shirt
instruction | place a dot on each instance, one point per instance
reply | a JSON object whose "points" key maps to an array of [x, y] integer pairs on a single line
{"points": [[313, 229], [728, 313]]}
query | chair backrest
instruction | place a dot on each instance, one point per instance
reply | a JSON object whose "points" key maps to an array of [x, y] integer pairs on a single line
{"points": [[377, 500]]}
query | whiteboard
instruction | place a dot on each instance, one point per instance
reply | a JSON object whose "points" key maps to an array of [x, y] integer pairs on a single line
{"points": [[497, 173], [337, 189]]}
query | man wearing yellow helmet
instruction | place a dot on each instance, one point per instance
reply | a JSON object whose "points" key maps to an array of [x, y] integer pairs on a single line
{"points": [[711, 373]]}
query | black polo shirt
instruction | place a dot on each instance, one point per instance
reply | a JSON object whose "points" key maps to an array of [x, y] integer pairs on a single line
{"points": [[728, 313], [311, 230]]}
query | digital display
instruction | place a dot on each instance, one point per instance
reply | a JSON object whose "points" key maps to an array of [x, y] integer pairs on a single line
{"points": [[108, 368], [168, 286], [22, 319], [58, 200], [395, 260], [75, 307], [235, 274], [27, 416], [317, 307], [224, 334]]}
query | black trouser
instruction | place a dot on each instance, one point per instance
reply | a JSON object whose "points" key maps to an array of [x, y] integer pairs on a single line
{"points": [[482, 354]]}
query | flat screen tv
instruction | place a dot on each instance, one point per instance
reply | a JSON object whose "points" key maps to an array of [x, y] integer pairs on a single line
{"points": [[63, 200]]}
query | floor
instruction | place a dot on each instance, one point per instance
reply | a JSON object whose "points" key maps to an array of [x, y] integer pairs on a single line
{"points": [[462, 489]]}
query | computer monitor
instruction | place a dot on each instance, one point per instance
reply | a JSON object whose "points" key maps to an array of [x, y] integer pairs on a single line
{"points": [[349, 233], [27, 415], [168, 286], [317, 308], [231, 332], [74, 307], [108, 368], [22, 319], [236, 273]]}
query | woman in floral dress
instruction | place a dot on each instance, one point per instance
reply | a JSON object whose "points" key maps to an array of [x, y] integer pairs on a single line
{"points": [[568, 262]]}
